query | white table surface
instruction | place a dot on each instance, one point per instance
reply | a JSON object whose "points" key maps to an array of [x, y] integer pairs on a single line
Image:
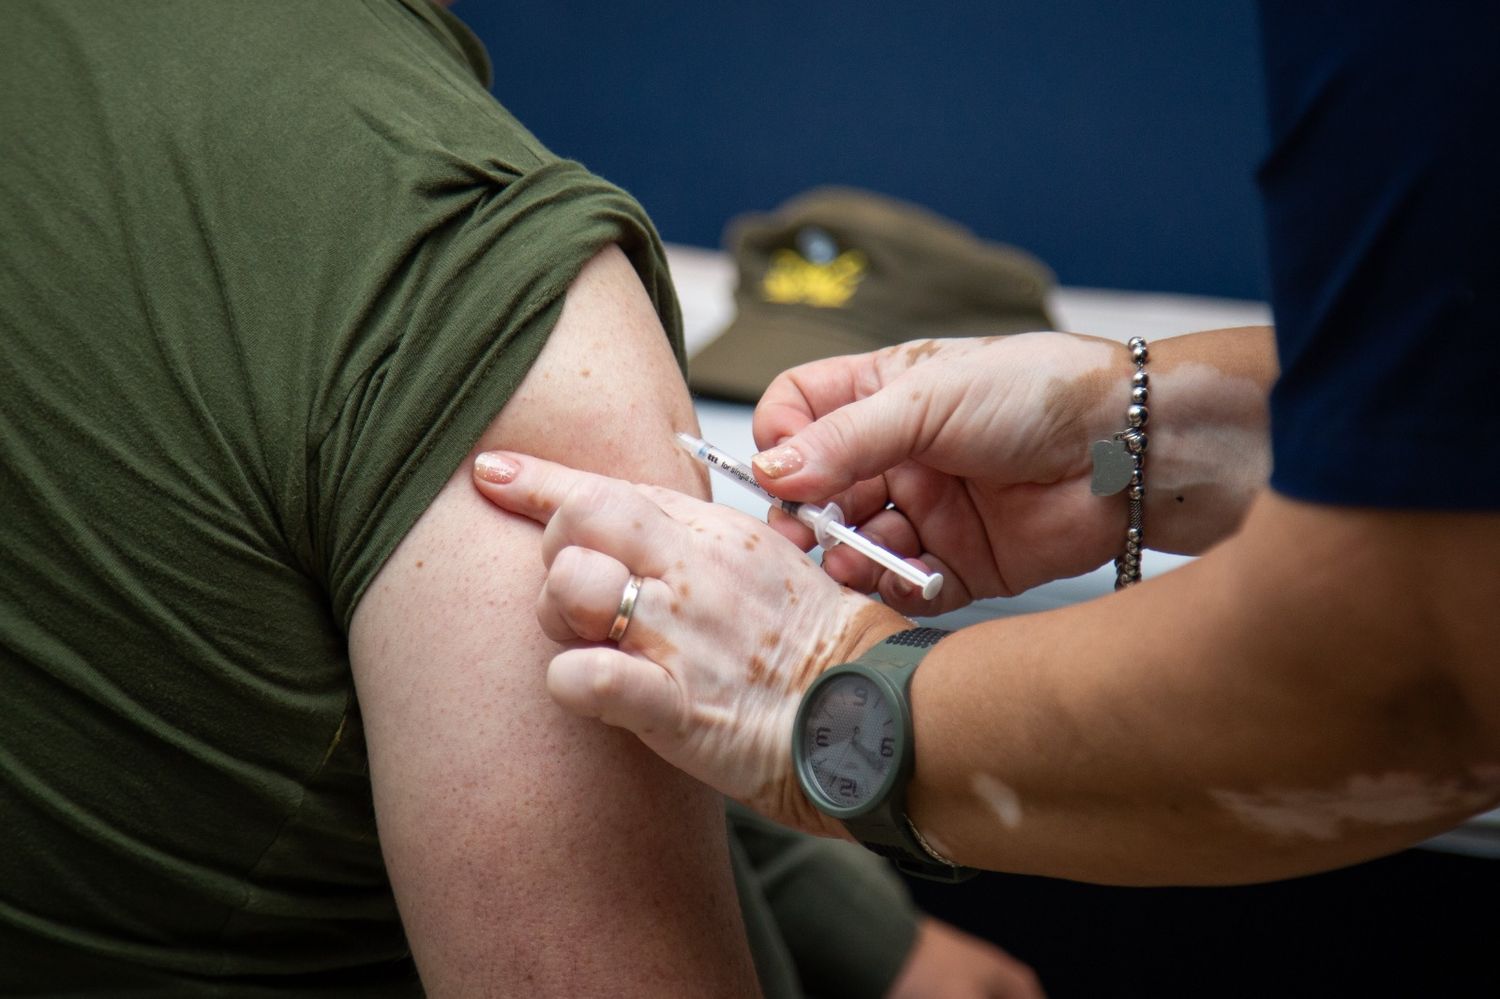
{"points": [[705, 282]]}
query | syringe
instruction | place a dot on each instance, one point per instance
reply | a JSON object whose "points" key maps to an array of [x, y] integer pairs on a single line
{"points": [[827, 522]]}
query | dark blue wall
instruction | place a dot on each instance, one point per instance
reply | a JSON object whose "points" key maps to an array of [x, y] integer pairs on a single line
{"points": [[1116, 140]]}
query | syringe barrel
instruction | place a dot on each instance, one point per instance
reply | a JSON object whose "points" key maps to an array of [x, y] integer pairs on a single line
{"points": [[726, 465], [820, 519]]}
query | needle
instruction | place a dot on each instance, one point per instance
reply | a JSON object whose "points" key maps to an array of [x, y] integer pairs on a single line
{"points": [[827, 522]]}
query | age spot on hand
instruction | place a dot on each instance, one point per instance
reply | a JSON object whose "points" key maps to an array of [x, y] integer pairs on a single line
{"points": [[917, 352], [814, 664]]}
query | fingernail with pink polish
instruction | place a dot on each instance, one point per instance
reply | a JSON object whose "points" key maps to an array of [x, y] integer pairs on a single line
{"points": [[778, 461], [493, 467]]}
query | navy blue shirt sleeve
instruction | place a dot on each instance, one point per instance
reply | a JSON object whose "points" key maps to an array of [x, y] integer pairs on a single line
{"points": [[1382, 202]]}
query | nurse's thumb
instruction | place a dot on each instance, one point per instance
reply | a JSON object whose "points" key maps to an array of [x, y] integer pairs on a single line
{"points": [[617, 688], [854, 442]]}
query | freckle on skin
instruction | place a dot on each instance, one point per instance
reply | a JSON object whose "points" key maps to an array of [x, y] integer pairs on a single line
{"points": [[584, 373], [636, 524], [916, 397], [420, 563], [815, 660], [685, 590], [918, 351], [680, 566], [756, 674], [676, 609], [769, 639]]}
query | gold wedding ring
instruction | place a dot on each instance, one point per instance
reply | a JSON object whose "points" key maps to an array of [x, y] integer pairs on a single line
{"points": [[627, 608]]}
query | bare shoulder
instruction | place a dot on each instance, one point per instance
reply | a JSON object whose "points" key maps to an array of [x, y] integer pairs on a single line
{"points": [[606, 394], [528, 847]]}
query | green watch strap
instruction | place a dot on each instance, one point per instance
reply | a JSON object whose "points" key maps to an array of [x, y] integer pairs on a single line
{"points": [[887, 830]]}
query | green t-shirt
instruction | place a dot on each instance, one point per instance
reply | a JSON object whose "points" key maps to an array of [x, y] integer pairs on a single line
{"points": [[267, 270]]}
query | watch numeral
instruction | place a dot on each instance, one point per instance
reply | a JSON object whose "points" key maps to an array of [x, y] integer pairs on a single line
{"points": [[821, 736], [861, 694], [888, 746], [848, 788]]}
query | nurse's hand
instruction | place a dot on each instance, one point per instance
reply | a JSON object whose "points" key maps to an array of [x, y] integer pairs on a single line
{"points": [[731, 624], [981, 445]]}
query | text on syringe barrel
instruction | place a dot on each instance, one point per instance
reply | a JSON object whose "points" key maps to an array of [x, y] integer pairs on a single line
{"points": [[742, 474]]}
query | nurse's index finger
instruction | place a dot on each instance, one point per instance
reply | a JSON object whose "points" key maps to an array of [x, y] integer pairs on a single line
{"points": [[526, 485]]}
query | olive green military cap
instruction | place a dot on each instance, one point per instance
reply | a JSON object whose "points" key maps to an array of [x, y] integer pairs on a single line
{"points": [[844, 271]]}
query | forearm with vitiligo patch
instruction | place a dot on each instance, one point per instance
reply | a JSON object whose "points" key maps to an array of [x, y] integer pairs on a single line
{"points": [[1230, 721], [1209, 433]]}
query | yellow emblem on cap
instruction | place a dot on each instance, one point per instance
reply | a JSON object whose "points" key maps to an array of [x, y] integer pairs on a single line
{"points": [[792, 279]]}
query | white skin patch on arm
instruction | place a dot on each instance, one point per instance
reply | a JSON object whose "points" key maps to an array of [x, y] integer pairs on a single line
{"points": [[1003, 801], [1218, 428], [1391, 799]]}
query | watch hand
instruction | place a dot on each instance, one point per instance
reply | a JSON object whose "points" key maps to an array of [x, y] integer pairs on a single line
{"points": [[868, 753], [833, 773]]}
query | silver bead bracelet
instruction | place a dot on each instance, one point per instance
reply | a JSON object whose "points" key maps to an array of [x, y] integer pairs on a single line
{"points": [[1119, 463]]}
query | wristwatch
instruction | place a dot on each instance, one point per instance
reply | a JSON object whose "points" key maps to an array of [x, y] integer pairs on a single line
{"points": [[854, 752]]}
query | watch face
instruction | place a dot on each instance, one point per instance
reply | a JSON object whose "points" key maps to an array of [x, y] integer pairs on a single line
{"points": [[849, 734]]}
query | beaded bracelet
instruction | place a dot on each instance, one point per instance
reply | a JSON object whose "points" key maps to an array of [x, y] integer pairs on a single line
{"points": [[1119, 463]]}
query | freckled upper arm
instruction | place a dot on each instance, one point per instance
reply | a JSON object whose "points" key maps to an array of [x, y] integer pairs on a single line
{"points": [[531, 850]]}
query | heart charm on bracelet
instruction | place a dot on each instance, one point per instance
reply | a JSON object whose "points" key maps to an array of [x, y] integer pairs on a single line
{"points": [[1113, 466]]}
